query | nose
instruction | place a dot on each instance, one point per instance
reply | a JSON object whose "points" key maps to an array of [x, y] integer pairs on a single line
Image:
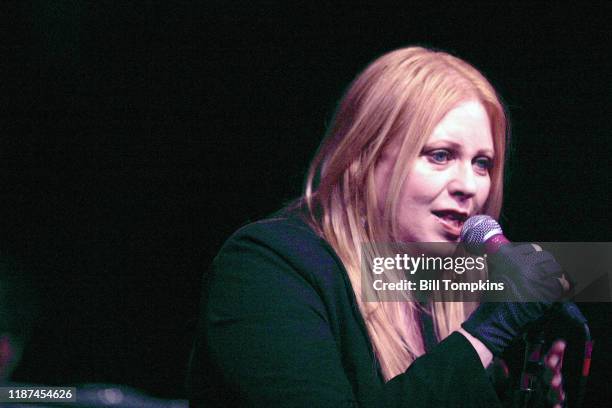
{"points": [[463, 183]]}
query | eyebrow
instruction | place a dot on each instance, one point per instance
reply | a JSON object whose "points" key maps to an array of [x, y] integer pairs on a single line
{"points": [[459, 146]]}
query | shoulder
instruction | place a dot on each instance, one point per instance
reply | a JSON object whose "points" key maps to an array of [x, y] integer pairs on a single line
{"points": [[277, 225], [285, 242], [285, 233]]}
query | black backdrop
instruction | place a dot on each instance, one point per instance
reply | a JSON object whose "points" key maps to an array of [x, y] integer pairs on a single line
{"points": [[138, 135]]}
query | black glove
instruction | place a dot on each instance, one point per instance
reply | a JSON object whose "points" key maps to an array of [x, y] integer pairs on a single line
{"points": [[531, 288]]}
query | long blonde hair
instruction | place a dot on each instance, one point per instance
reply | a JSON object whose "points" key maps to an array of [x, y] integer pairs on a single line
{"points": [[403, 94]]}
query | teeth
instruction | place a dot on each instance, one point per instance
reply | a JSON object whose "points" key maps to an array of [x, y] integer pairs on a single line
{"points": [[450, 216]]}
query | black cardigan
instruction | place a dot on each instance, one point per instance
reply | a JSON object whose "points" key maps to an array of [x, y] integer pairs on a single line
{"points": [[279, 326]]}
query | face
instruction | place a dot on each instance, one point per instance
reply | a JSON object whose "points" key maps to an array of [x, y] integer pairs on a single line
{"points": [[449, 180]]}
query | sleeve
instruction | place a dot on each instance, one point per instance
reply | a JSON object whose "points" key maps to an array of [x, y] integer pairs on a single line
{"points": [[266, 340], [450, 375]]}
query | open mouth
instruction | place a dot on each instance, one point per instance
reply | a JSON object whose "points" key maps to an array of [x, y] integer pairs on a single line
{"points": [[451, 221]]}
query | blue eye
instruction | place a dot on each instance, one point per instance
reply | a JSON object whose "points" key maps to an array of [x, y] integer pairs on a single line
{"points": [[440, 156], [483, 163]]}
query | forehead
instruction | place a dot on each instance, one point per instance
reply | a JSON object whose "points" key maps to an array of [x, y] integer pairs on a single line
{"points": [[466, 124]]}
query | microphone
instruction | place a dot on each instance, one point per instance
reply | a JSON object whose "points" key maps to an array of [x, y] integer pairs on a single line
{"points": [[482, 234]]}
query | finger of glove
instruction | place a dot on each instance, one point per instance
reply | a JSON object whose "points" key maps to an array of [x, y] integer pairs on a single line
{"points": [[549, 290], [518, 287], [525, 254], [523, 249], [539, 266], [551, 269], [519, 257]]}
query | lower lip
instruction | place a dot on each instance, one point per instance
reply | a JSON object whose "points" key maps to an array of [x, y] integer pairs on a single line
{"points": [[451, 227]]}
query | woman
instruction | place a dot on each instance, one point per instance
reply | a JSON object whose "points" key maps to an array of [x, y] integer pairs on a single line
{"points": [[416, 146]]}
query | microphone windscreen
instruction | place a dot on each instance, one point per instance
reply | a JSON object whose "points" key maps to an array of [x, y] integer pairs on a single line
{"points": [[478, 229]]}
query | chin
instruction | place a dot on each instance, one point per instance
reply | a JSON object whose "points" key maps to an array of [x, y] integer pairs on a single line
{"points": [[442, 248], [434, 245]]}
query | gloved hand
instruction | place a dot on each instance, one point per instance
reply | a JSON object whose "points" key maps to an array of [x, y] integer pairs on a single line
{"points": [[531, 285]]}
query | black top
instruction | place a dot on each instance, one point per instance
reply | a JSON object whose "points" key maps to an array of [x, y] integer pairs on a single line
{"points": [[280, 326]]}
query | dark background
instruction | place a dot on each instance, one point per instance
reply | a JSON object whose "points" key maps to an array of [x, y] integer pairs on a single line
{"points": [[136, 136]]}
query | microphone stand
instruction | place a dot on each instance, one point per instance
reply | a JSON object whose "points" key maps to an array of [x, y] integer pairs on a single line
{"points": [[532, 367]]}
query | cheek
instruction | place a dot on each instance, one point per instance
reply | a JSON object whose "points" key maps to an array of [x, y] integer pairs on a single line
{"points": [[483, 192], [422, 186]]}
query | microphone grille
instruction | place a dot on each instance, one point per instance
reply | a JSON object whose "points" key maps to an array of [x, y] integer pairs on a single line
{"points": [[478, 229]]}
